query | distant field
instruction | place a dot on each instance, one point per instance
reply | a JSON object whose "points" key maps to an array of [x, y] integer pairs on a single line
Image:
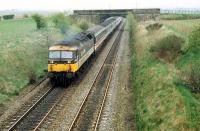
{"points": [[24, 53], [183, 27]]}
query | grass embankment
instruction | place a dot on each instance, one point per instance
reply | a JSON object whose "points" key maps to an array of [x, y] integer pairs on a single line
{"points": [[24, 53], [161, 104]]}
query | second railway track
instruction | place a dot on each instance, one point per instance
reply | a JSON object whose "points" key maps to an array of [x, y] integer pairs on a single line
{"points": [[93, 102], [89, 113]]}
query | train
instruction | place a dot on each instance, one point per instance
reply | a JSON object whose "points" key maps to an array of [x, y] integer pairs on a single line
{"points": [[67, 56]]}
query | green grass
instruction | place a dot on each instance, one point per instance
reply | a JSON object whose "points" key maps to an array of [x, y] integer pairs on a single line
{"points": [[187, 59], [161, 104], [192, 107], [23, 50]]}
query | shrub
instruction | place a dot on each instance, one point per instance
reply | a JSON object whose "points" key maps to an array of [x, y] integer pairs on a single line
{"points": [[61, 22], [40, 21], [194, 40], [131, 26], [155, 26], [168, 48], [83, 25], [32, 77], [6, 17], [191, 77], [25, 16]]}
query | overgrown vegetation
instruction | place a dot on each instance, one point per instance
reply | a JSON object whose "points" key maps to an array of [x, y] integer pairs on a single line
{"points": [[194, 40], [168, 48], [24, 52], [154, 26], [83, 25], [40, 21], [189, 63], [162, 103], [191, 76]]}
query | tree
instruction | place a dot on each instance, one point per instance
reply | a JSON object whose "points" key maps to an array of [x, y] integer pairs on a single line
{"points": [[83, 25], [61, 22], [40, 21], [25, 16], [6, 17]]}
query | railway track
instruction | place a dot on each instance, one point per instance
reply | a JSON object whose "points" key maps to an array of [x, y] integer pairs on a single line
{"points": [[42, 107], [89, 113], [43, 82], [37, 113]]}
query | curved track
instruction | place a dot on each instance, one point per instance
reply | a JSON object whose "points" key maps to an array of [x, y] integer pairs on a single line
{"points": [[89, 113], [37, 113]]}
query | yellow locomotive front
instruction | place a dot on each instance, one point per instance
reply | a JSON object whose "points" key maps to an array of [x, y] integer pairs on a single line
{"points": [[67, 56], [62, 59], [62, 63]]}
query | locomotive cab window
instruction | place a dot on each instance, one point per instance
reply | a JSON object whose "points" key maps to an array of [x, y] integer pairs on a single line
{"points": [[54, 54], [89, 36], [66, 54], [61, 54]]}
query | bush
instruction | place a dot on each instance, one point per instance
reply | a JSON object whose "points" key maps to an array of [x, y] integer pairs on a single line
{"points": [[191, 77], [25, 16], [131, 26], [40, 21], [83, 25], [194, 40], [61, 22], [6, 17], [155, 26], [168, 48], [32, 77]]}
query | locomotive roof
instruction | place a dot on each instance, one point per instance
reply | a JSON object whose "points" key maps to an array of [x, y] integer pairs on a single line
{"points": [[77, 41], [74, 42]]}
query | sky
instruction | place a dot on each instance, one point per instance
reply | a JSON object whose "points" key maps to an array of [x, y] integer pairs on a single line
{"points": [[95, 4]]}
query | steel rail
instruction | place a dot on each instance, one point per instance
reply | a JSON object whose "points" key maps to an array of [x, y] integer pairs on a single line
{"points": [[39, 124], [29, 110], [105, 94], [91, 87]]}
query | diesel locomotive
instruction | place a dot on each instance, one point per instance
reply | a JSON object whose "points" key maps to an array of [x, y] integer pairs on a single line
{"points": [[66, 57]]}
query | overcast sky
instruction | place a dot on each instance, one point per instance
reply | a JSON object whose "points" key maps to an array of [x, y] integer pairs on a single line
{"points": [[95, 4]]}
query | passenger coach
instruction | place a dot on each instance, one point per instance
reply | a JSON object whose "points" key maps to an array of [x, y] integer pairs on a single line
{"points": [[67, 56]]}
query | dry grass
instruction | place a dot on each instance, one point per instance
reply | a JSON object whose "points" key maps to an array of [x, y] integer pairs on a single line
{"points": [[160, 105], [183, 27]]}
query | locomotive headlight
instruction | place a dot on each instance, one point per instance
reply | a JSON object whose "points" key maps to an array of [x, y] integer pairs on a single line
{"points": [[51, 62]]}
